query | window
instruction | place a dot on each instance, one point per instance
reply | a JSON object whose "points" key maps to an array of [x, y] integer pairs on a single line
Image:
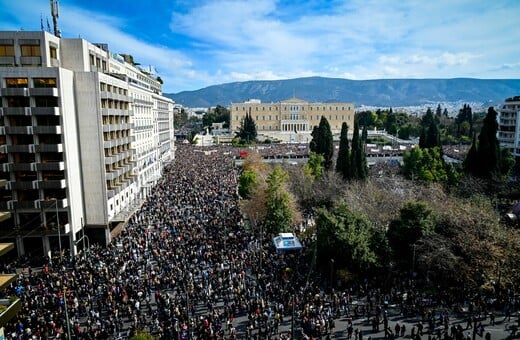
{"points": [[18, 102], [91, 59], [6, 51], [53, 52], [44, 82], [16, 82], [30, 50], [42, 101]]}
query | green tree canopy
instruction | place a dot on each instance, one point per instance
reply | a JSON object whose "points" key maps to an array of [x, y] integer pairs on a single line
{"points": [[280, 210], [314, 166], [247, 131], [322, 142], [219, 114], [345, 236], [358, 160], [485, 159], [427, 165], [416, 220], [343, 160], [247, 183]]}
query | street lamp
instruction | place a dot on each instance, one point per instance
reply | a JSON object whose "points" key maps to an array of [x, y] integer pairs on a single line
{"points": [[58, 225], [66, 312]]}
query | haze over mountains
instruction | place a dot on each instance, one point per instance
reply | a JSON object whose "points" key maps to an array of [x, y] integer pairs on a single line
{"points": [[381, 92]]}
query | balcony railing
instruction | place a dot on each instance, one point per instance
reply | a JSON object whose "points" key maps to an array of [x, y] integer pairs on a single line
{"points": [[44, 91], [16, 111], [45, 111], [22, 91]]}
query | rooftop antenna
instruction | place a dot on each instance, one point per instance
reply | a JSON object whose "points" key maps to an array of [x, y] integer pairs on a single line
{"points": [[55, 15]]}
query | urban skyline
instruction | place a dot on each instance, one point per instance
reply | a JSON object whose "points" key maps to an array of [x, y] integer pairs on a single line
{"points": [[194, 44]]}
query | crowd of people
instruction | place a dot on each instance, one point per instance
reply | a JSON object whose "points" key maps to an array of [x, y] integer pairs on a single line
{"points": [[186, 267]]}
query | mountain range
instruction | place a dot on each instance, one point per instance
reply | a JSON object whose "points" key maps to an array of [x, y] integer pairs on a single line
{"points": [[379, 92]]}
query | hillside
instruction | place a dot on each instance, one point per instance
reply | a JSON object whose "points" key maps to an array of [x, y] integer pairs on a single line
{"points": [[381, 92]]}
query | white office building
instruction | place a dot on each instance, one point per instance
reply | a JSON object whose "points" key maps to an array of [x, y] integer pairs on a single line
{"points": [[509, 125], [84, 135]]}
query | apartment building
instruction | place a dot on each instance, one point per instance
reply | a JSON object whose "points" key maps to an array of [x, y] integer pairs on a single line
{"points": [[509, 125], [80, 140], [292, 119]]}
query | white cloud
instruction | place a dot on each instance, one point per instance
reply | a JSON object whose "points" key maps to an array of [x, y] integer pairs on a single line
{"points": [[235, 40]]}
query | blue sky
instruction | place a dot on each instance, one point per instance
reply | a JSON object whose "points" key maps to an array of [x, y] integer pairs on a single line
{"points": [[198, 43]]}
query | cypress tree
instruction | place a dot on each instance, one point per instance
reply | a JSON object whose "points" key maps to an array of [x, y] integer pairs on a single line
{"points": [[247, 130], [471, 162], [342, 163], [422, 138], [358, 160], [488, 146], [485, 159], [433, 137], [322, 143]]}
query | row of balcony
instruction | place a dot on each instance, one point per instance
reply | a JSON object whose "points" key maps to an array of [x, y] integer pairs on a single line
{"points": [[117, 127], [30, 91], [116, 96], [30, 130], [119, 156], [37, 184], [112, 175], [118, 141], [39, 204], [31, 148], [120, 187], [29, 111], [116, 112], [48, 166]]}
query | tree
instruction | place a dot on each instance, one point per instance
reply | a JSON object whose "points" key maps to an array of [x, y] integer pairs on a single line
{"points": [[426, 165], [322, 142], [358, 160], [180, 118], [314, 166], [391, 123], [416, 220], [343, 160], [438, 111], [219, 114], [433, 137], [247, 130], [485, 159], [280, 207], [465, 115], [430, 134], [247, 183], [345, 236]]}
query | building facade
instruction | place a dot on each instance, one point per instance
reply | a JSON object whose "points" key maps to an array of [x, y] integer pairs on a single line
{"points": [[292, 119], [509, 125], [80, 140]]}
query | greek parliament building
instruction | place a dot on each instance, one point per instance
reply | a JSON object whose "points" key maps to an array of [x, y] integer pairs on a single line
{"points": [[509, 125], [291, 120], [84, 134]]}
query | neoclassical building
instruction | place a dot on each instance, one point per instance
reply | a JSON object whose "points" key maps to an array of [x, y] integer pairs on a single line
{"points": [[292, 119]]}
